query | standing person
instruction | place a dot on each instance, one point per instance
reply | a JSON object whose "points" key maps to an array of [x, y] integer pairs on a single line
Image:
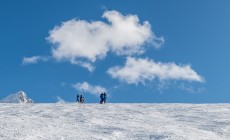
{"points": [[78, 97], [101, 97], [105, 97], [81, 99]]}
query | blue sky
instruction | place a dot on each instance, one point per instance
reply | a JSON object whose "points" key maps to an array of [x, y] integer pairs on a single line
{"points": [[138, 51]]}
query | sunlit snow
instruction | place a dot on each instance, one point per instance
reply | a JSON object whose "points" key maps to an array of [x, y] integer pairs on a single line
{"points": [[73, 121]]}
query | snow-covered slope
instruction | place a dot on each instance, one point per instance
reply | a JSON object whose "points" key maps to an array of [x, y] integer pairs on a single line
{"points": [[114, 121], [19, 97]]}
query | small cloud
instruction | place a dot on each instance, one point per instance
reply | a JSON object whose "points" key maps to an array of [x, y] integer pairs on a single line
{"points": [[86, 87], [191, 89], [86, 65], [63, 84], [33, 59], [77, 40], [140, 70], [104, 8], [60, 100]]}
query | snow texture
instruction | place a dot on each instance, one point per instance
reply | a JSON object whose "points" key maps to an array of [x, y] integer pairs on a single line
{"points": [[73, 121], [19, 97]]}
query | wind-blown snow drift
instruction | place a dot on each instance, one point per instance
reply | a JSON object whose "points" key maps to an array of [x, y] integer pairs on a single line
{"points": [[115, 121]]}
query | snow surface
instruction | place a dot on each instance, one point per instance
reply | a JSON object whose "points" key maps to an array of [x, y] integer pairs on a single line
{"points": [[19, 97], [73, 121]]}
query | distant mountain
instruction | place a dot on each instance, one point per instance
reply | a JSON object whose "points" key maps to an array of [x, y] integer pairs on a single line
{"points": [[19, 97]]}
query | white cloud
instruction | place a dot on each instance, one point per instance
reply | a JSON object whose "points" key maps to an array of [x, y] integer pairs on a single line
{"points": [[77, 40], [191, 89], [33, 59], [60, 100], [141, 70], [63, 84], [84, 64], [86, 87]]}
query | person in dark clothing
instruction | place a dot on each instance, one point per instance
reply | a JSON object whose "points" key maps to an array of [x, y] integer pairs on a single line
{"points": [[101, 97], [78, 97], [81, 99], [104, 98]]}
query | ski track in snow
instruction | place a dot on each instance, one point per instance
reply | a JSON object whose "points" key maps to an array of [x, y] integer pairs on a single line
{"points": [[72, 121]]}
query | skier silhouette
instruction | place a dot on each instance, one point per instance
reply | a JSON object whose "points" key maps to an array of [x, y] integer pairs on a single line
{"points": [[81, 99], [78, 97], [103, 97]]}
